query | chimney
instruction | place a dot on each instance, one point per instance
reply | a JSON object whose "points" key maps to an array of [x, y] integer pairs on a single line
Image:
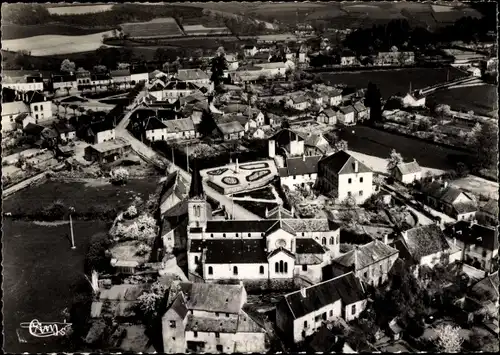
{"points": [[237, 166], [303, 292], [303, 157], [356, 166], [293, 211], [386, 239]]}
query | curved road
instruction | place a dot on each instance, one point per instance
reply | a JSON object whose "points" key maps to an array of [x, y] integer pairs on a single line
{"points": [[145, 151]]}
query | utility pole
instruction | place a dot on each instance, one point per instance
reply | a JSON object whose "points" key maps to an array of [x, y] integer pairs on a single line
{"points": [[71, 210]]}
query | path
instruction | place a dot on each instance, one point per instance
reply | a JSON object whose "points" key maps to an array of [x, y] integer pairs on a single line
{"points": [[150, 155], [422, 218]]}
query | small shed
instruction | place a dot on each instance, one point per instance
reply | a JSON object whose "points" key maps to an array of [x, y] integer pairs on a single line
{"points": [[106, 151]]}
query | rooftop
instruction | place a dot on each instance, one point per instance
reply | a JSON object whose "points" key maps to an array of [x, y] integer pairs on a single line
{"points": [[109, 145], [425, 240], [366, 255], [344, 163], [302, 165], [226, 251], [443, 192], [409, 168], [346, 288]]}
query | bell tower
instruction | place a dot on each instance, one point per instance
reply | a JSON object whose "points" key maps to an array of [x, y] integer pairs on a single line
{"points": [[197, 202]]}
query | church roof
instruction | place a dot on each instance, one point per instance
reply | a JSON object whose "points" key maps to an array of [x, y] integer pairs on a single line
{"points": [[196, 189]]}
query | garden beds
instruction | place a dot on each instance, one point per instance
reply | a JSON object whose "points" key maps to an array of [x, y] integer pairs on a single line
{"points": [[265, 193], [258, 208]]}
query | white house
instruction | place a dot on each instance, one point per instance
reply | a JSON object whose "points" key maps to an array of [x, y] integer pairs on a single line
{"points": [[449, 199], [299, 171], [425, 245], [138, 74], [175, 89], [287, 141], [342, 176], [203, 317], [300, 102], [474, 71], [66, 132], [414, 100], [120, 76], [327, 116], [102, 131], [273, 69], [195, 76], [250, 50], [11, 110], [156, 130], [40, 108], [334, 97], [346, 115], [370, 263], [301, 313], [407, 173], [180, 129], [64, 82], [25, 83], [348, 60]]}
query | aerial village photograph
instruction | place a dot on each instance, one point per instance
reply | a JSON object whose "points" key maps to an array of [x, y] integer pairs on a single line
{"points": [[250, 177]]}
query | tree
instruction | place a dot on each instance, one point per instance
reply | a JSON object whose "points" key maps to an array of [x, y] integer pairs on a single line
{"points": [[81, 110], [100, 68], [219, 64], [486, 145], [96, 257], [151, 302], [58, 104], [74, 107], [448, 338], [131, 212], [207, 124], [394, 159], [65, 106], [68, 66], [373, 101], [119, 176], [285, 123]]}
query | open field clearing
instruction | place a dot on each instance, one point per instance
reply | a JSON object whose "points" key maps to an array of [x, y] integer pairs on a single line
{"points": [[483, 99], [200, 30], [55, 44], [78, 9], [391, 82], [161, 27], [477, 186], [13, 31]]}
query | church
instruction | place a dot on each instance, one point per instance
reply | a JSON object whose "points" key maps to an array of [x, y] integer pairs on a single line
{"points": [[266, 252]]}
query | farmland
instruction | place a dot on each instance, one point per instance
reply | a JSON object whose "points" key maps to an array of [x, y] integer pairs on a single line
{"points": [[78, 9], [157, 28], [394, 81], [483, 99], [13, 31], [200, 30], [55, 44]]}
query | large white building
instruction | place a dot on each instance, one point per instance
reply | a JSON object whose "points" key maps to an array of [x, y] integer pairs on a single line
{"points": [[203, 317], [32, 103], [301, 313], [269, 252]]}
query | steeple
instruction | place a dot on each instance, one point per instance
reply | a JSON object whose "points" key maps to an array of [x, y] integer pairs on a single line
{"points": [[196, 189]]}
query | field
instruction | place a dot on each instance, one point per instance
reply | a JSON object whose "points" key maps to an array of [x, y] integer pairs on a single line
{"points": [[379, 144], [477, 185], [47, 45], [394, 81], [161, 27], [12, 31], [80, 195], [78, 9], [483, 100], [41, 276], [200, 30]]}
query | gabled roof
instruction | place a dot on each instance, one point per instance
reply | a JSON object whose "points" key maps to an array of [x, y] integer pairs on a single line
{"points": [[262, 225], [280, 224], [119, 73], [33, 129], [447, 194], [343, 163], [32, 97], [359, 107], [230, 127], [20, 118], [180, 125], [101, 126], [314, 140], [491, 207], [486, 289], [475, 234], [154, 123], [347, 109], [227, 251], [179, 305], [191, 74], [279, 212], [329, 112], [174, 184], [346, 288], [302, 165], [308, 246], [212, 297], [366, 255], [285, 136], [62, 127], [409, 168], [281, 250], [300, 99], [180, 85], [425, 240]]}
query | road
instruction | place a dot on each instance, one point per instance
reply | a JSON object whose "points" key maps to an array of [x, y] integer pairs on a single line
{"points": [[152, 156]]}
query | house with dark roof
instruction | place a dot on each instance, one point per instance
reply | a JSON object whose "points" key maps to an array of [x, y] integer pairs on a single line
{"points": [[65, 131], [229, 130], [486, 292], [407, 173], [175, 89], [371, 263], [424, 246], [286, 143], [347, 115], [299, 171], [301, 313], [182, 128], [120, 76], [196, 76], [316, 144], [327, 116], [209, 317], [23, 119], [299, 102], [64, 81], [362, 113], [98, 132], [489, 212], [106, 151], [451, 200], [479, 243], [343, 176], [155, 129]]}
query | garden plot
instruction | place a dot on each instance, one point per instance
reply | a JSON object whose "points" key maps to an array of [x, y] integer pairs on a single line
{"points": [[234, 178], [157, 28], [200, 30], [56, 44]]}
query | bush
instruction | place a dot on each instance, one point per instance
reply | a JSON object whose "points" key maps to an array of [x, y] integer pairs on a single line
{"points": [[119, 176], [97, 258], [131, 212], [53, 212], [143, 249]]}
